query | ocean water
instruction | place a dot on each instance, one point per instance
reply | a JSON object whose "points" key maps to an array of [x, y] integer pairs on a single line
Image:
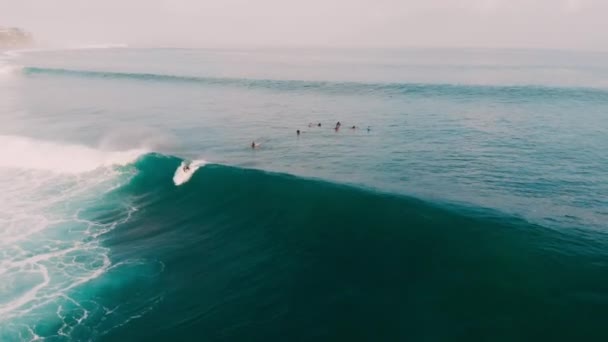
{"points": [[470, 203]]}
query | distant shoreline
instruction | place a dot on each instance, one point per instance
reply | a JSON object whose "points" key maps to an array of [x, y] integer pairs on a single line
{"points": [[14, 37]]}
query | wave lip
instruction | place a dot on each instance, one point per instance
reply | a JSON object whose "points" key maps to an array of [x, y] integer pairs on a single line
{"points": [[25, 153]]}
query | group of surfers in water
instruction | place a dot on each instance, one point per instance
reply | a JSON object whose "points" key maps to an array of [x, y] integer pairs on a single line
{"points": [[255, 145]]}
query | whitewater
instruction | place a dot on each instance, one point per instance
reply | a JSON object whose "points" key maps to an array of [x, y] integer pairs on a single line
{"points": [[474, 206], [48, 247]]}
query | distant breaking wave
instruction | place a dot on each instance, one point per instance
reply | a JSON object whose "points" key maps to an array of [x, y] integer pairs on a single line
{"points": [[504, 93], [7, 69]]}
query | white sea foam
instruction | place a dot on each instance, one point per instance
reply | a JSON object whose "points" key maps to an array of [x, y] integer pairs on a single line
{"points": [[44, 250], [25, 153], [48, 249], [9, 69]]}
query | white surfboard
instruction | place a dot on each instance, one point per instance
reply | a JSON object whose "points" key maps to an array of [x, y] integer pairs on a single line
{"points": [[182, 176]]}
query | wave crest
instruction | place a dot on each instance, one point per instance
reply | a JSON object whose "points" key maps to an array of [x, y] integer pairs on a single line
{"points": [[461, 91], [26, 153]]}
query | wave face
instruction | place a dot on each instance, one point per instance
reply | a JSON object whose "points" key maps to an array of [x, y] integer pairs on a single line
{"points": [[505, 93], [249, 255]]}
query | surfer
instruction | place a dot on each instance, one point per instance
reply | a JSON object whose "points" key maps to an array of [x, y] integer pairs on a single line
{"points": [[298, 132], [319, 124], [186, 167], [338, 124], [354, 127]]}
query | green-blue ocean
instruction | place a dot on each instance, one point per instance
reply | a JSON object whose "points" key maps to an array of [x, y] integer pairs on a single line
{"points": [[463, 197]]}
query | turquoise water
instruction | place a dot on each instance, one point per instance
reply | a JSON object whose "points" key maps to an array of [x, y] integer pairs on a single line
{"points": [[474, 207]]}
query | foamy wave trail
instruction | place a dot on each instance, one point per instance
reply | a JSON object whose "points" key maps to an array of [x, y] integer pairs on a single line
{"points": [[50, 249], [460, 91], [10, 68], [7, 68], [25, 153]]}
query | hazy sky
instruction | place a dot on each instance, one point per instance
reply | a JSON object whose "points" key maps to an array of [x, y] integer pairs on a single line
{"points": [[579, 24]]}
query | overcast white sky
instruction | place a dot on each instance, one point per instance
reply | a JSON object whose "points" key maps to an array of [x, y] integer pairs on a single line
{"points": [[580, 24]]}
